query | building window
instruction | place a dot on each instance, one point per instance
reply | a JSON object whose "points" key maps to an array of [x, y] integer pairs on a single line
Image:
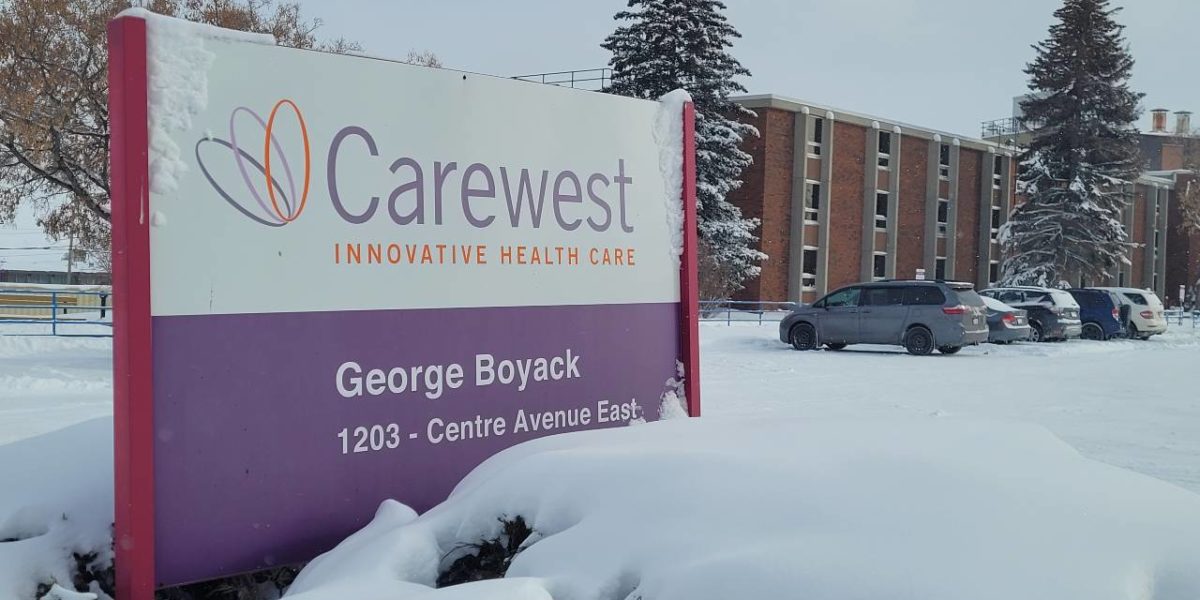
{"points": [[995, 222], [879, 266], [1121, 278], [885, 149], [997, 171], [993, 271], [808, 278], [881, 210], [1156, 240], [812, 201], [816, 135], [939, 270], [944, 162], [943, 215]]}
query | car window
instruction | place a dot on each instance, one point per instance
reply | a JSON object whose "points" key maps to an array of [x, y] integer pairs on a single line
{"points": [[924, 295], [1039, 297], [1091, 299], [1060, 298], [1011, 296], [882, 296], [968, 297], [846, 297], [1138, 299]]}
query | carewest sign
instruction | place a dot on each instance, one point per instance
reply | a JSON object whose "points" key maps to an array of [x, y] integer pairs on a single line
{"points": [[344, 280]]}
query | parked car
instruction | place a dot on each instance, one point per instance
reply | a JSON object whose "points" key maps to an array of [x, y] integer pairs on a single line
{"points": [[1053, 314], [1146, 316], [1101, 313], [919, 315], [1005, 323]]}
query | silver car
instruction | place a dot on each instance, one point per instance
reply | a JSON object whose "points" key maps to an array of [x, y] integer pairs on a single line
{"points": [[919, 315]]}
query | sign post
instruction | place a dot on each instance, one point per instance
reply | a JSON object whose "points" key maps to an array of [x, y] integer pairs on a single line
{"points": [[344, 280]]}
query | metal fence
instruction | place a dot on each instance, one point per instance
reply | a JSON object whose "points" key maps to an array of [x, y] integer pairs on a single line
{"points": [[584, 79], [734, 311], [33, 310], [1179, 317]]}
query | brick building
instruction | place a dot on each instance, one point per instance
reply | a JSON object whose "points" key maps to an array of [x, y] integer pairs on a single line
{"points": [[845, 197]]}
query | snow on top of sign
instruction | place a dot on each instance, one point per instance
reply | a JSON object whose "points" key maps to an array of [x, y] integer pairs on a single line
{"points": [[155, 20], [668, 132], [178, 65], [703, 509]]}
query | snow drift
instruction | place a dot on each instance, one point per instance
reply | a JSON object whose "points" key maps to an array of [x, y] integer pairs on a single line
{"points": [[56, 502], [702, 508]]}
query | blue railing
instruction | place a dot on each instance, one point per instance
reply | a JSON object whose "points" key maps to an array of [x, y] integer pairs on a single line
{"points": [[55, 311], [731, 311], [1175, 316]]}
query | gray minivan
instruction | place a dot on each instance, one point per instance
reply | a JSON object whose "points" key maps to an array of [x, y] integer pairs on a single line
{"points": [[918, 315]]}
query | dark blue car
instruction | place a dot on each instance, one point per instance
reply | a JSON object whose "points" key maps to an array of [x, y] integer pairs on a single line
{"points": [[1101, 313]]}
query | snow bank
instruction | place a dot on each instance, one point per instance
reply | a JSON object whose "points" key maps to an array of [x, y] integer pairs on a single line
{"points": [[702, 508], [668, 132], [51, 287], [178, 85], [55, 501]]}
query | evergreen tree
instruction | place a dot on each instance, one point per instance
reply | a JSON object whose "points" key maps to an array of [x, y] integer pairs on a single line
{"points": [[665, 45], [1077, 173]]}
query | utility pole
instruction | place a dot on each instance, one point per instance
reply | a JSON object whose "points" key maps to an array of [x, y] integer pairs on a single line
{"points": [[70, 257]]}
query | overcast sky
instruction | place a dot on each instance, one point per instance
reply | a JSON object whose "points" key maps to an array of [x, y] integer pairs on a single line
{"points": [[944, 64]]}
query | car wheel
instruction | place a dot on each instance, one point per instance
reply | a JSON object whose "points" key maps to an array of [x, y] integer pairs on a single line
{"points": [[836, 346], [949, 349], [1037, 332], [1134, 333], [804, 337], [918, 341], [1092, 331]]}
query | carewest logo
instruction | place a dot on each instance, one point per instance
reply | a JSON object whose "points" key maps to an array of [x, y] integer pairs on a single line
{"points": [[466, 196], [276, 207], [420, 192]]}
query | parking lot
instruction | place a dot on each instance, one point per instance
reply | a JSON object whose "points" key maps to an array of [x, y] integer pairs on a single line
{"points": [[1127, 403]]}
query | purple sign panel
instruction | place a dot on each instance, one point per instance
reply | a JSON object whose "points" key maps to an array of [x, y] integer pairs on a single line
{"points": [[283, 432]]}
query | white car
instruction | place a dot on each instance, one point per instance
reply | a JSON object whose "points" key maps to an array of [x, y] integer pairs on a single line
{"points": [[1146, 315]]}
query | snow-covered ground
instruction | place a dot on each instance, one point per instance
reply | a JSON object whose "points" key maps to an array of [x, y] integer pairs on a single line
{"points": [[899, 475], [49, 383], [1132, 404]]}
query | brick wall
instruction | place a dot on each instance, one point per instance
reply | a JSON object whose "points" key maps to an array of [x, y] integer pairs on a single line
{"points": [[749, 196], [910, 245], [1183, 246], [1138, 235], [774, 233], [966, 244], [846, 204]]}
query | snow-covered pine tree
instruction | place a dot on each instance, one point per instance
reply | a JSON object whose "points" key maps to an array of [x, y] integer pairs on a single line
{"points": [[1077, 172], [664, 45]]}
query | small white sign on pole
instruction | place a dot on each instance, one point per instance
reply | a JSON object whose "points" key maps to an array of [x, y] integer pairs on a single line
{"points": [[1182, 293], [920, 274]]}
